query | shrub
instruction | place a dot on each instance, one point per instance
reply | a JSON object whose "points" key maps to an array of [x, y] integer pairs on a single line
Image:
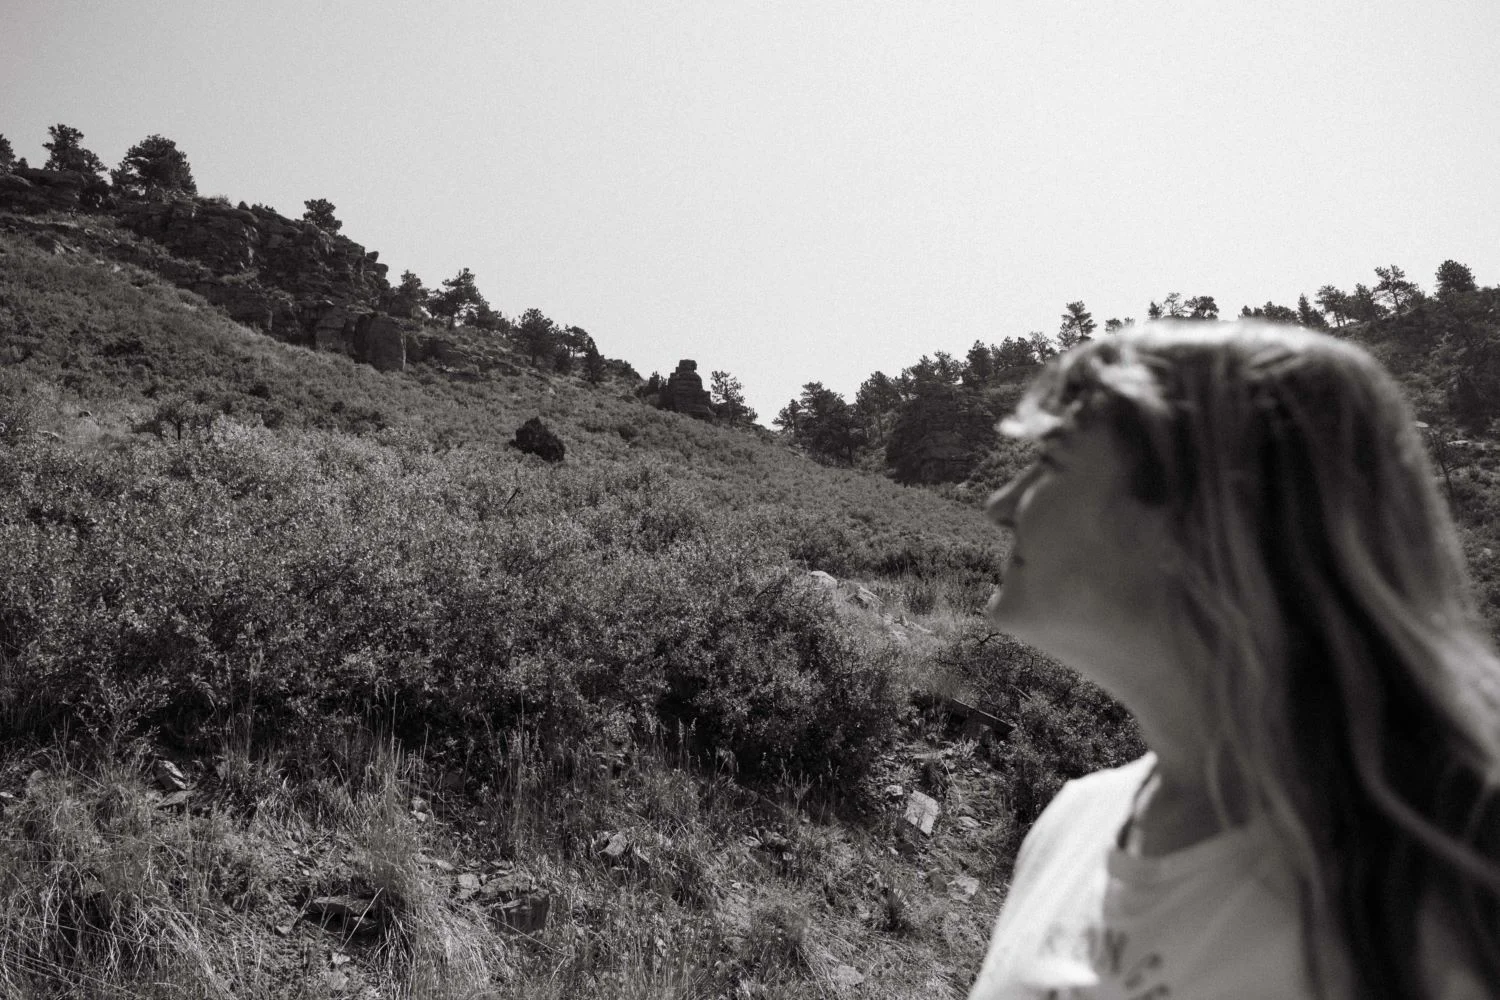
{"points": [[1064, 726], [312, 582], [20, 408]]}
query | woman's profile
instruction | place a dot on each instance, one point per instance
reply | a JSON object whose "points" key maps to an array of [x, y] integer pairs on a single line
{"points": [[1234, 529]]}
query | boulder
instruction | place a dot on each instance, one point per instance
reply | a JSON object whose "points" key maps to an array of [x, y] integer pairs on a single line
{"points": [[380, 342], [536, 438]]}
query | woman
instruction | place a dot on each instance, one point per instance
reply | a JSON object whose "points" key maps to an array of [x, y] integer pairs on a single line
{"points": [[1234, 529]]}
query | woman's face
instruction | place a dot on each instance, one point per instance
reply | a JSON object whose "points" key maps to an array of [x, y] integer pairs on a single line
{"points": [[1085, 574]]}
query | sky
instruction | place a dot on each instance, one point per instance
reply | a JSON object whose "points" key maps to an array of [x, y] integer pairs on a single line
{"points": [[813, 191]]}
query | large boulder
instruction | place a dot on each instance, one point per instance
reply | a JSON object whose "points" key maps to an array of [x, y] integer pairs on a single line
{"points": [[536, 438], [380, 342]]}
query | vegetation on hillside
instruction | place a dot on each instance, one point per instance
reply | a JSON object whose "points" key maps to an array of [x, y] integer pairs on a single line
{"points": [[328, 593], [310, 683]]}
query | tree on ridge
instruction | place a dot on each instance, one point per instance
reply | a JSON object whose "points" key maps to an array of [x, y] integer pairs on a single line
{"points": [[1394, 287], [728, 397], [66, 152], [1077, 326], [320, 213], [154, 166], [1454, 278]]}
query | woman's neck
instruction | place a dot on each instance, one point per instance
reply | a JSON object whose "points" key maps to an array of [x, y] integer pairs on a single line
{"points": [[1176, 807]]}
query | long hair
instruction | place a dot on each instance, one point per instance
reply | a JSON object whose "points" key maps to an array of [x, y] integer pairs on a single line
{"points": [[1353, 689]]}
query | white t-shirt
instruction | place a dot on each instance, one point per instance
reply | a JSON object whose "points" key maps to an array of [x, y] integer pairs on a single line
{"points": [[1084, 919]]}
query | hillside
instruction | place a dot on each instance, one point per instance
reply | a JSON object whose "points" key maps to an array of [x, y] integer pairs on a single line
{"points": [[313, 684]]}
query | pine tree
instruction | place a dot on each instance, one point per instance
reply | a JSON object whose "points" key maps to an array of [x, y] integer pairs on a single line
{"points": [[537, 335], [729, 399], [1394, 288], [409, 297], [458, 300], [1201, 307], [1077, 326], [1454, 278], [154, 166], [320, 213], [1335, 304], [66, 152], [1308, 316]]}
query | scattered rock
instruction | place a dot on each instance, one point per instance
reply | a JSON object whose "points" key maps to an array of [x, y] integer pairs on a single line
{"points": [[615, 846], [921, 812], [170, 777], [774, 841], [354, 915], [467, 885], [527, 915], [963, 887], [825, 580], [510, 886], [846, 977], [174, 799], [975, 719], [968, 822]]}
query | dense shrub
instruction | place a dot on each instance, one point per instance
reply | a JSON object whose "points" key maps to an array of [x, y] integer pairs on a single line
{"points": [[307, 581], [1063, 725]]}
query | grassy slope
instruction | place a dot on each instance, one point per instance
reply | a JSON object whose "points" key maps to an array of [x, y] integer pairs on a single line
{"points": [[329, 553], [184, 592]]}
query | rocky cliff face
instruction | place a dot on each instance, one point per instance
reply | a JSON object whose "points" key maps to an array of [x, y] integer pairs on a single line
{"points": [[28, 190], [284, 276]]}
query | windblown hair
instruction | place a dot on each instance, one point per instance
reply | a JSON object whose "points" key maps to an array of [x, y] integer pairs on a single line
{"points": [[1354, 691]]}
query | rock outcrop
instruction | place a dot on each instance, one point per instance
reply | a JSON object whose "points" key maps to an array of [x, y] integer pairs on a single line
{"points": [[29, 190], [286, 277], [291, 255], [684, 392]]}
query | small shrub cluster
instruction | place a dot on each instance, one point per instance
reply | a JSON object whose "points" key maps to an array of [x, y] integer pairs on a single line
{"points": [[19, 408]]}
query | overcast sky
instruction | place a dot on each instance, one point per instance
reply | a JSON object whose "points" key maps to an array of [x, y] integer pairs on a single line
{"points": [[810, 191]]}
